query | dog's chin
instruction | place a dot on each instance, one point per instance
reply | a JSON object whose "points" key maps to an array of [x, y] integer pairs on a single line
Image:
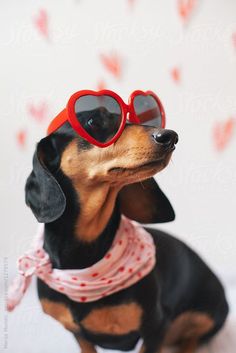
{"points": [[141, 171]]}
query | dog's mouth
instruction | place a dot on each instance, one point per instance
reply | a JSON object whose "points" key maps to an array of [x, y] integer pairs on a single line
{"points": [[146, 166]]}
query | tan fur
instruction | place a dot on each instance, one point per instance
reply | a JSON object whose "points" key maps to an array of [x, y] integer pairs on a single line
{"points": [[61, 313], [114, 320], [85, 346], [188, 346], [98, 174], [188, 326], [143, 349], [91, 224], [141, 210], [185, 332], [96, 198]]}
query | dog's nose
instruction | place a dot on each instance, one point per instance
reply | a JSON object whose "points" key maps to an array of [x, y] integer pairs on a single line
{"points": [[166, 137]]}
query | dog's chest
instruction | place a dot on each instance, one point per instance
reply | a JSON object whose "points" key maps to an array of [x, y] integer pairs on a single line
{"points": [[114, 320]]}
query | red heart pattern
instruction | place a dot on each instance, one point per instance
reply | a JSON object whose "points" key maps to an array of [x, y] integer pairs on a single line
{"points": [[234, 40], [21, 137], [41, 23], [113, 63], [175, 74], [223, 133], [38, 112], [185, 8], [131, 3], [101, 85]]}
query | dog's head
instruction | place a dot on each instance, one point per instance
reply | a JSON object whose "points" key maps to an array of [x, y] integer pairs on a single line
{"points": [[124, 169]]}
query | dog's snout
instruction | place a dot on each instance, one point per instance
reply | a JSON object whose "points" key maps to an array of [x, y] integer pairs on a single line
{"points": [[166, 137]]}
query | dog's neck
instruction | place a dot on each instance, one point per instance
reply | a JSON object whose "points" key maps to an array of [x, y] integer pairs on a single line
{"points": [[97, 204], [86, 230]]}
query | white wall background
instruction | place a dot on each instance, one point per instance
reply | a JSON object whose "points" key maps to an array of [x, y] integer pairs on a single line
{"points": [[41, 67], [40, 72]]}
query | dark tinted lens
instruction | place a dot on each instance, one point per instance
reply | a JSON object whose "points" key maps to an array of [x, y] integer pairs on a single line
{"points": [[100, 116], [147, 110]]}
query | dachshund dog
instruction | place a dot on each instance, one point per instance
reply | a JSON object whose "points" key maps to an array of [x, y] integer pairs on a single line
{"points": [[80, 192]]}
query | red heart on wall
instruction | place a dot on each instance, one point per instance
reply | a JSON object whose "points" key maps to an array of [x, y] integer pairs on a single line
{"points": [[223, 133], [21, 137], [131, 3], [112, 63], [185, 8], [175, 74], [41, 23], [38, 112], [101, 85], [234, 39]]}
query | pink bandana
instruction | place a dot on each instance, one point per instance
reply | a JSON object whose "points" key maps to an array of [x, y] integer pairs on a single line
{"points": [[130, 258]]}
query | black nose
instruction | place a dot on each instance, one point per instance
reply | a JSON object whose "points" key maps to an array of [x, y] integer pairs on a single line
{"points": [[168, 138]]}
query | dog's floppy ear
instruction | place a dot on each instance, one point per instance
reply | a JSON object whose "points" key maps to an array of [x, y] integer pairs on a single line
{"points": [[144, 202], [43, 193]]}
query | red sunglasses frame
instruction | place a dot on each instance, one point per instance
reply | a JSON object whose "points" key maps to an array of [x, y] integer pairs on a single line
{"points": [[68, 114]]}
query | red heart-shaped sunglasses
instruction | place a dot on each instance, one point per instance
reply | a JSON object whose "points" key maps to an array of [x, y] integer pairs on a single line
{"points": [[100, 117]]}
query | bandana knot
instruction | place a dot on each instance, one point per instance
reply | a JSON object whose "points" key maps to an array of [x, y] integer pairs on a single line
{"points": [[37, 263]]}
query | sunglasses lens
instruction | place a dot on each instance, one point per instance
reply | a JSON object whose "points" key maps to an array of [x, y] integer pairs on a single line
{"points": [[100, 116], [147, 110]]}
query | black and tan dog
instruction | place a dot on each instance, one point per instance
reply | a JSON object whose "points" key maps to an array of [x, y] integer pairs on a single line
{"points": [[80, 191]]}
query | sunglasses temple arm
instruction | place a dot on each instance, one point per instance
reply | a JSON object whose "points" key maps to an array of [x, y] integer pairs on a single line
{"points": [[57, 122]]}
